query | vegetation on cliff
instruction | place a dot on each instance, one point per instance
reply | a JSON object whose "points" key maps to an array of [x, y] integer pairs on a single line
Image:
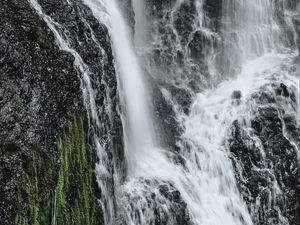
{"points": [[72, 199]]}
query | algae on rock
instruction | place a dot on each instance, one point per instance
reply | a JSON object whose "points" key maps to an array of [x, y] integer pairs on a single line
{"points": [[75, 201], [69, 201], [34, 192]]}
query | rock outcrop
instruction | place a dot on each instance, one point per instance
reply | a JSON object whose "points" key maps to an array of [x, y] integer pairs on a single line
{"points": [[41, 103], [38, 87], [265, 156]]}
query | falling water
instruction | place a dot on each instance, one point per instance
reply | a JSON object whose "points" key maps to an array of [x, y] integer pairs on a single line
{"points": [[252, 53], [141, 23], [133, 87], [249, 31], [199, 180]]}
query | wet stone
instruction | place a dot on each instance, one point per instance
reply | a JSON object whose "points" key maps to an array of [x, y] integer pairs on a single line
{"points": [[236, 95]]}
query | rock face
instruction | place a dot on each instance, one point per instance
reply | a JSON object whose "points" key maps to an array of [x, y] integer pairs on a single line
{"points": [[40, 91], [262, 170], [44, 122], [177, 59], [38, 88], [154, 202], [296, 21]]}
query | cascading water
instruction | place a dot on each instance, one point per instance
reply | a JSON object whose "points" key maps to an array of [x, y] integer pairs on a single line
{"points": [[205, 180], [249, 31], [254, 53], [140, 136]]}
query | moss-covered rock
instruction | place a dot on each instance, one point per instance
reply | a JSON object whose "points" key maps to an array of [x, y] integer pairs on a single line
{"points": [[65, 194], [34, 192], [75, 198]]}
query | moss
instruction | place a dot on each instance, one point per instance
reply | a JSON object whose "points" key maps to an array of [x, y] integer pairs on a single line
{"points": [[71, 199], [34, 194], [76, 203]]}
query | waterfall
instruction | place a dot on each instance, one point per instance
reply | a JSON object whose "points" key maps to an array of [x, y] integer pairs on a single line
{"points": [[133, 87], [205, 180], [251, 54], [249, 31], [140, 23]]}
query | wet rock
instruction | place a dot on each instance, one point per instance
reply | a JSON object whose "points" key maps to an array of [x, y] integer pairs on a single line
{"points": [[35, 101], [169, 131], [200, 45], [236, 95], [154, 202], [213, 8], [156, 6], [40, 88], [267, 157], [284, 89]]}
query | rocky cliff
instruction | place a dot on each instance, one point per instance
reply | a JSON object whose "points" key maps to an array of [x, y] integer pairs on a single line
{"points": [[48, 153], [45, 135]]}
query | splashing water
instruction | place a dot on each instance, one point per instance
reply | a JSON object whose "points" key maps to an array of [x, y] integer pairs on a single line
{"points": [[206, 180], [201, 171]]}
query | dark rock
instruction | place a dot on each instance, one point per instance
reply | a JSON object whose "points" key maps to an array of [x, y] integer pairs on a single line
{"points": [[236, 95], [266, 157], [36, 96], [213, 9], [284, 89], [40, 89], [158, 198], [200, 45]]}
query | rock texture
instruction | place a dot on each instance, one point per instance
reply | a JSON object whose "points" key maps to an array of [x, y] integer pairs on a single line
{"points": [[44, 118], [271, 168], [38, 88], [154, 202], [40, 91]]}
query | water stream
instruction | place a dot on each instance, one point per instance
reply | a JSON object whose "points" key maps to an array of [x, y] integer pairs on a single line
{"points": [[198, 182]]}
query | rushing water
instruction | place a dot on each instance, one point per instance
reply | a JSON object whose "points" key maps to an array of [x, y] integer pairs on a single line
{"points": [[140, 131], [198, 182], [251, 54]]}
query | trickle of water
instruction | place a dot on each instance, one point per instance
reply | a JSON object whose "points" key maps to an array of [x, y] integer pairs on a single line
{"points": [[102, 167]]}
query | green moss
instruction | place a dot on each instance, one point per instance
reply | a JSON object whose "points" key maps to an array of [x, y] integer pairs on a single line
{"points": [[34, 194], [67, 193], [75, 202]]}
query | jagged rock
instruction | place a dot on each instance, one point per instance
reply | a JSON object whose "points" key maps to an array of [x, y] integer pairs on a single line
{"points": [[272, 162], [213, 8], [154, 202], [40, 89], [284, 89]]}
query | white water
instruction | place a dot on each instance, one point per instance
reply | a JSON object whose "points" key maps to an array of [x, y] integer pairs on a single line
{"points": [[140, 130], [140, 36], [206, 181]]}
